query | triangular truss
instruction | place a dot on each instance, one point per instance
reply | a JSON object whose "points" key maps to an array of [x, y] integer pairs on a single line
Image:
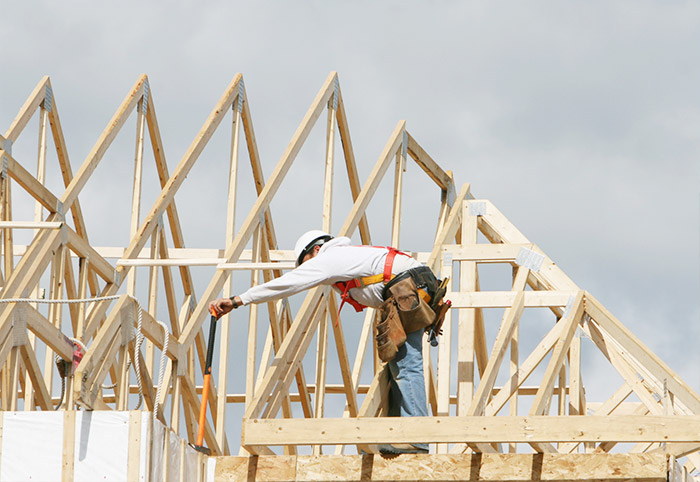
{"points": [[481, 403]]}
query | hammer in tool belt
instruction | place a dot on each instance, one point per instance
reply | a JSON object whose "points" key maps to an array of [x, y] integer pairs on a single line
{"points": [[440, 308]]}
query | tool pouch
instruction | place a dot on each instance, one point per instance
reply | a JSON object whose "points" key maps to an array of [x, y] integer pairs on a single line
{"points": [[440, 308], [414, 312], [389, 333]]}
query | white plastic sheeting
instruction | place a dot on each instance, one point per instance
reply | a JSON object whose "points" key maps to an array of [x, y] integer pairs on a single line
{"points": [[183, 460], [32, 446], [211, 469], [101, 446], [86, 446]]}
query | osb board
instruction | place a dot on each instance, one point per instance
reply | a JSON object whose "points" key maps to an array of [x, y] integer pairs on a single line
{"points": [[434, 468]]}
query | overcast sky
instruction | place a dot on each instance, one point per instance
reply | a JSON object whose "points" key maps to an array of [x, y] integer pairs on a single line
{"points": [[580, 120]]}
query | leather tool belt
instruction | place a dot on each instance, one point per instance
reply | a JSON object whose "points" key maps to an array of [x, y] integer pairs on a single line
{"points": [[412, 300]]}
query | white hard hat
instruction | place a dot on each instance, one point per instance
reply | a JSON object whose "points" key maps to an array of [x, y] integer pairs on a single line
{"points": [[307, 241]]}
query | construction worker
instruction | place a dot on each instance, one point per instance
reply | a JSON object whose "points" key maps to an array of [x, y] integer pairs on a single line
{"points": [[366, 276]]}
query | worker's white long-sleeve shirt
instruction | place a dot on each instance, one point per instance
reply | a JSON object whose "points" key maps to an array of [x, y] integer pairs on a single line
{"points": [[336, 261]]}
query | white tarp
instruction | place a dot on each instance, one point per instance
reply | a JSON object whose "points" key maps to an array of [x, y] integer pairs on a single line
{"points": [[101, 446], [106, 446], [32, 446], [157, 447], [211, 469]]}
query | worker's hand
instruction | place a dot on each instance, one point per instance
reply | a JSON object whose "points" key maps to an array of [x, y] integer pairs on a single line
{"points": [[223, 306]]}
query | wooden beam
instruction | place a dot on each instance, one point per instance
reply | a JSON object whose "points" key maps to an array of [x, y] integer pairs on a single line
{"points": [[526, 368], [163, 176], [343, 359], [637, 351], [570, 320], [29, 183], [165, 198], [468, 276], [287, 352], [97, 263], [43, 396], [108, 135], [370, 187], [293, 362], [261, 204], [27, 110], [485, 253], [351, 165], [48, 333], [431, 168], [452, 226], [256, 166], [444, 361], [377, 394], [29, 269], [154, 332], [149, 391], [101, 345], [537, 429], [510, 320], [504, 299]]}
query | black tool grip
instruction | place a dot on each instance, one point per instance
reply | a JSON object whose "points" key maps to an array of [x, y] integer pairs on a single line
{"points": [[210, 345]]}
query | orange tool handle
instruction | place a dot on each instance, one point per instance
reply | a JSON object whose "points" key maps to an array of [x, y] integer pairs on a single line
{"points": [[207, 377], [203, 410]]}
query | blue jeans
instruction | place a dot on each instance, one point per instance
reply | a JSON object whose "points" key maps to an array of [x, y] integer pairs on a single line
{"points": [[407, 393]]}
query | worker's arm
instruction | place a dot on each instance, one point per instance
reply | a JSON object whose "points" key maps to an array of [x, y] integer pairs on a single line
{"points": [[322, 269], [306, 276]]}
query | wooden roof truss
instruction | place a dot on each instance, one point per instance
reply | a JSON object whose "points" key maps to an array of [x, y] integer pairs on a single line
{"points": [[489, 391]]}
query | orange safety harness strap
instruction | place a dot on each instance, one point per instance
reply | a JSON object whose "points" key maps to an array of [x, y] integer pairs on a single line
{"points": [[386, 276]]}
